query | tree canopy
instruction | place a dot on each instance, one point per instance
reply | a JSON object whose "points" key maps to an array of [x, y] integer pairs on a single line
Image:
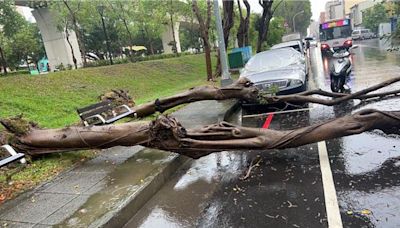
{"points": [[372, 17], [19, 39], [288, 9]]}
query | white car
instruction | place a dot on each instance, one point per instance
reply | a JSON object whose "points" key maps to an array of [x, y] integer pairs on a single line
{"points": [[362, 34], [296, 44], [283, 69]]}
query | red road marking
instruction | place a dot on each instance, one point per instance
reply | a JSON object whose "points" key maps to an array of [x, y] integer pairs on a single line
{"points": [[268, 121]]}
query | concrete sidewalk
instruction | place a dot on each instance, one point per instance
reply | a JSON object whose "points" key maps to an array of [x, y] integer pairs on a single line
{"points": [[109, 189]]}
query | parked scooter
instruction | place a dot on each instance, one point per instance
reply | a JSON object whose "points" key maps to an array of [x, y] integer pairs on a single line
{"points": [[340, 69]]}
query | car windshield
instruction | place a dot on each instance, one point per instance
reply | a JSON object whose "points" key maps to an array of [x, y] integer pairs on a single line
{"points": [[335, 33], [273, 59], [296, 47], [356, 32]]}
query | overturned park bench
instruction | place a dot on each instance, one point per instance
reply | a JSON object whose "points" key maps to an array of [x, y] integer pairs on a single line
{"points": [[104, 112], [13, 156]]}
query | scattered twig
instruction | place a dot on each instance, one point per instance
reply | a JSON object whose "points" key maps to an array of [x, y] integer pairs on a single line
{"points": [[290, 204], [250, 168]]}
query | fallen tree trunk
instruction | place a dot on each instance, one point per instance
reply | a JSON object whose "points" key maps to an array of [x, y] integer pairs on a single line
{"points": [[30, 139], [166, 133]]}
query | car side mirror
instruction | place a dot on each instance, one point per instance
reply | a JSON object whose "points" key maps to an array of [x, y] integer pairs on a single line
{"points": [[353, 47]]}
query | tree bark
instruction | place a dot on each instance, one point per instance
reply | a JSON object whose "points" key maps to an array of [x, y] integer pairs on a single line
{"points": [[227, 22], [3, 61], [204, 32], [77, 31], [123, 18], [243, 30], [207, 52], [218, 68], [39, 141], [70, 45], [263, 24], [175, 47]]}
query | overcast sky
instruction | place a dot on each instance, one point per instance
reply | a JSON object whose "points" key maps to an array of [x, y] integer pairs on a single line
{"points": [[317, 6]]}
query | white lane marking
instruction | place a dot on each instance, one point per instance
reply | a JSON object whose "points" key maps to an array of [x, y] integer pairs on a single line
{"points": [[331, 203]]}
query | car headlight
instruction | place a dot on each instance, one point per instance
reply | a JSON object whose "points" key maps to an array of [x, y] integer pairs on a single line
{"points": [[296, 82]]}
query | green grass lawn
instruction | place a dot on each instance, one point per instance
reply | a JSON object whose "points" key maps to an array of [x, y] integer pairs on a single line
{"points": [[52, 99]]}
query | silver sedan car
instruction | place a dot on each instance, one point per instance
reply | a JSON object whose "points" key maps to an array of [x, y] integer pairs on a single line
{"points": [[279, 71]]}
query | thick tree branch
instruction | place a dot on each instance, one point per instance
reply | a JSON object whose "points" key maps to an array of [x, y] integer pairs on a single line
{"points": [[224, 136], [243, 89], [306, 97], [240, 89]]}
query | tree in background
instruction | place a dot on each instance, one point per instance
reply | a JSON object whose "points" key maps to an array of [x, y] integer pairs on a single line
{"points": [[263, 22], [276, 31], [372, 17], [123, 13], [10, 22], [204, 31], [228, 19], [396, 11], [26, 45], [149, 18], [73, 8], [243, 30], [287, 10]]}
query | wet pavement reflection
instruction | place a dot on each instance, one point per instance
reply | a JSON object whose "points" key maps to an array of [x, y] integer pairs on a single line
{"points": [[285, 188], [366, 167]]}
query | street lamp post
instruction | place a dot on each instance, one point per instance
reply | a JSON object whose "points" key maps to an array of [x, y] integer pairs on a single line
{"points": [[226, 76], [294, 23], [100, 9]]}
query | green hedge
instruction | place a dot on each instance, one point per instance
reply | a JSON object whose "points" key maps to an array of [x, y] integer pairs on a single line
{"points": [[134, 59]]}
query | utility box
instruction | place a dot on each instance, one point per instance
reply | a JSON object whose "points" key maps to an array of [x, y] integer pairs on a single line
{"points": [[239, 57]]}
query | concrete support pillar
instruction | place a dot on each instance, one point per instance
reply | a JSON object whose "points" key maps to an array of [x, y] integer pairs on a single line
{"points": [[57, 48], [167, 38]]}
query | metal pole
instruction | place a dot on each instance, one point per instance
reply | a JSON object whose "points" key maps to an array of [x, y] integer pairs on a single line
{"points": [[226, 77], [294, 24]]}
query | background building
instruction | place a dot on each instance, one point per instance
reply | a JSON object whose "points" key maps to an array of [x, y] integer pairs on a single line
{"points": [[322, 17], [334, 10], [350, 3], [314, 29], [356, 12]]}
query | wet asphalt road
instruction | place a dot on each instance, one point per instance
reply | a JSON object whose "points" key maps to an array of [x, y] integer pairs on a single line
{"points": [[286, 188]]}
